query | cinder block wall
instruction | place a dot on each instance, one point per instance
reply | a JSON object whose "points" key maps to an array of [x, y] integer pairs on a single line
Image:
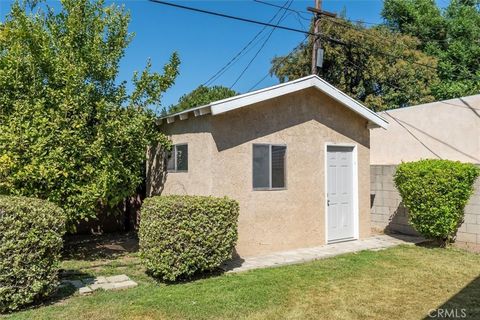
{"points": [[389, 214]]}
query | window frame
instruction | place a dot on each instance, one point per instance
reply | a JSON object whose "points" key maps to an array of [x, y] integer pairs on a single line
{"points": [[270, 188], [174, 154]]}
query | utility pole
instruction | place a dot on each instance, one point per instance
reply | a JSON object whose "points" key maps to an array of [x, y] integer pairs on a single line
{"points": [[316, 38], [317, 51]]}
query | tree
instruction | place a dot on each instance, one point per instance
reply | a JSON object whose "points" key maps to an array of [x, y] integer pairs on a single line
{"points": [[69, 132], [201, 96], [380, 68], [451, 35]]}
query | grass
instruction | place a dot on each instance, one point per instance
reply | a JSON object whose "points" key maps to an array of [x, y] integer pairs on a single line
{"points": [[399, 283]]}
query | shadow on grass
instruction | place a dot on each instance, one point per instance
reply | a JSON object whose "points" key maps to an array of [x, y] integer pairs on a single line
{"points": [[186, 280], [63, 291], [95, 247], [228, 265], [465, 304]]}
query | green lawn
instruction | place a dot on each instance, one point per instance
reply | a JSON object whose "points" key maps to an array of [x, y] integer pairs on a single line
{"points": [[399, 283]]}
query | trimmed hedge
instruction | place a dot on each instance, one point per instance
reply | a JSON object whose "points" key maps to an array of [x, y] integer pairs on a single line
{"points": [[31, 233], [435, 193], [184, 235]]}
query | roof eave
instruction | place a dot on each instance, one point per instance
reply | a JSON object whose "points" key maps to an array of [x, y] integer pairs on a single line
{"points": [[250, 98]]}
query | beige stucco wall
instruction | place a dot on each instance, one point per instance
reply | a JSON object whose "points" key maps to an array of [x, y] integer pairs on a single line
{"points": [[220, 163], [444, 129]]}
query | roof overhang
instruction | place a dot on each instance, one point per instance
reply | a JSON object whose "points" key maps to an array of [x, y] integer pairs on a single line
{"points": [[247, 99]]}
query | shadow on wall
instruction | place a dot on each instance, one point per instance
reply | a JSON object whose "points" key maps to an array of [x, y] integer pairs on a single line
{"points": [[392, 222], [398, 221], [404, 124], [463, 305], [156, 174], [264, 118], [287, 111]]}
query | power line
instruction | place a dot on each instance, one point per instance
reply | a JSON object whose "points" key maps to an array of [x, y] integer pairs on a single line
{"points": [[232, 61], [301, 23], [287, 28], [231, 17], [236, 58], [282, 61], [272, 25], [299, 14], [344, 23], [289, 2], [413, 135], [471, 77], [348, 24]]}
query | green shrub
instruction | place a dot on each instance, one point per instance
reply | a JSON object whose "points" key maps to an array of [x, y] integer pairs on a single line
{"points": [[183, 235], [31, 233], [435, 193]]}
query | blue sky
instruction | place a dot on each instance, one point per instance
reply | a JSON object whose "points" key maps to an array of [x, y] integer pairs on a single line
{"points": [[206, 43]]}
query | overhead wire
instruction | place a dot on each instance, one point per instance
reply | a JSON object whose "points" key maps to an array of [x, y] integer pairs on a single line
{"points": [[242, 52], [281, 61], [299, 14], [223, 15], [288, 3], [277, 26]]}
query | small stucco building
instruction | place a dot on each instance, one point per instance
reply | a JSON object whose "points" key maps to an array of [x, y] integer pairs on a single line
{"points": [[296, 156]]}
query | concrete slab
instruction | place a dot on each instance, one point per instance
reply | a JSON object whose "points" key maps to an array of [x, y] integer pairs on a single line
{"points": [[124, 285], [378, 242], [119, 278], [104, 286], [100, 280], [85, 290], [88, 285]]}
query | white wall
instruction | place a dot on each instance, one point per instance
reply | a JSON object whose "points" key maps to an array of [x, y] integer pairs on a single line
{"points": [[440, 130]]}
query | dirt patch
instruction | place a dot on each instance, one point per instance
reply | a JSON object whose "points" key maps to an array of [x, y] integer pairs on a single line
{"points": [[94, 247]]}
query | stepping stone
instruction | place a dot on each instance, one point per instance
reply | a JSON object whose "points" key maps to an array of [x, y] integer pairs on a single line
{"points": [[100, 280], [118, 278], [104, 286], [85, 290], [124, 285], [88, 285]]}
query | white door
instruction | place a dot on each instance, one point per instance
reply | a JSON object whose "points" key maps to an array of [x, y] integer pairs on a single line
{"points": [[340, 213]]}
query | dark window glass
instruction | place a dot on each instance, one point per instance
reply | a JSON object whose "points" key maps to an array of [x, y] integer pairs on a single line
{"points": [[261, 166], [278, 166], [177, 159], [182, 157]]}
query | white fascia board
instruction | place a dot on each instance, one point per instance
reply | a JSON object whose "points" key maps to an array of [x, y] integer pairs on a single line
{"points": [[289, 87], [249, 98], [350, 103], [259, 96]]}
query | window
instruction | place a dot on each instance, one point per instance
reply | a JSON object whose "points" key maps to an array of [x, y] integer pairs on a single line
{"points": [[177, 159], [269, 166]]}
